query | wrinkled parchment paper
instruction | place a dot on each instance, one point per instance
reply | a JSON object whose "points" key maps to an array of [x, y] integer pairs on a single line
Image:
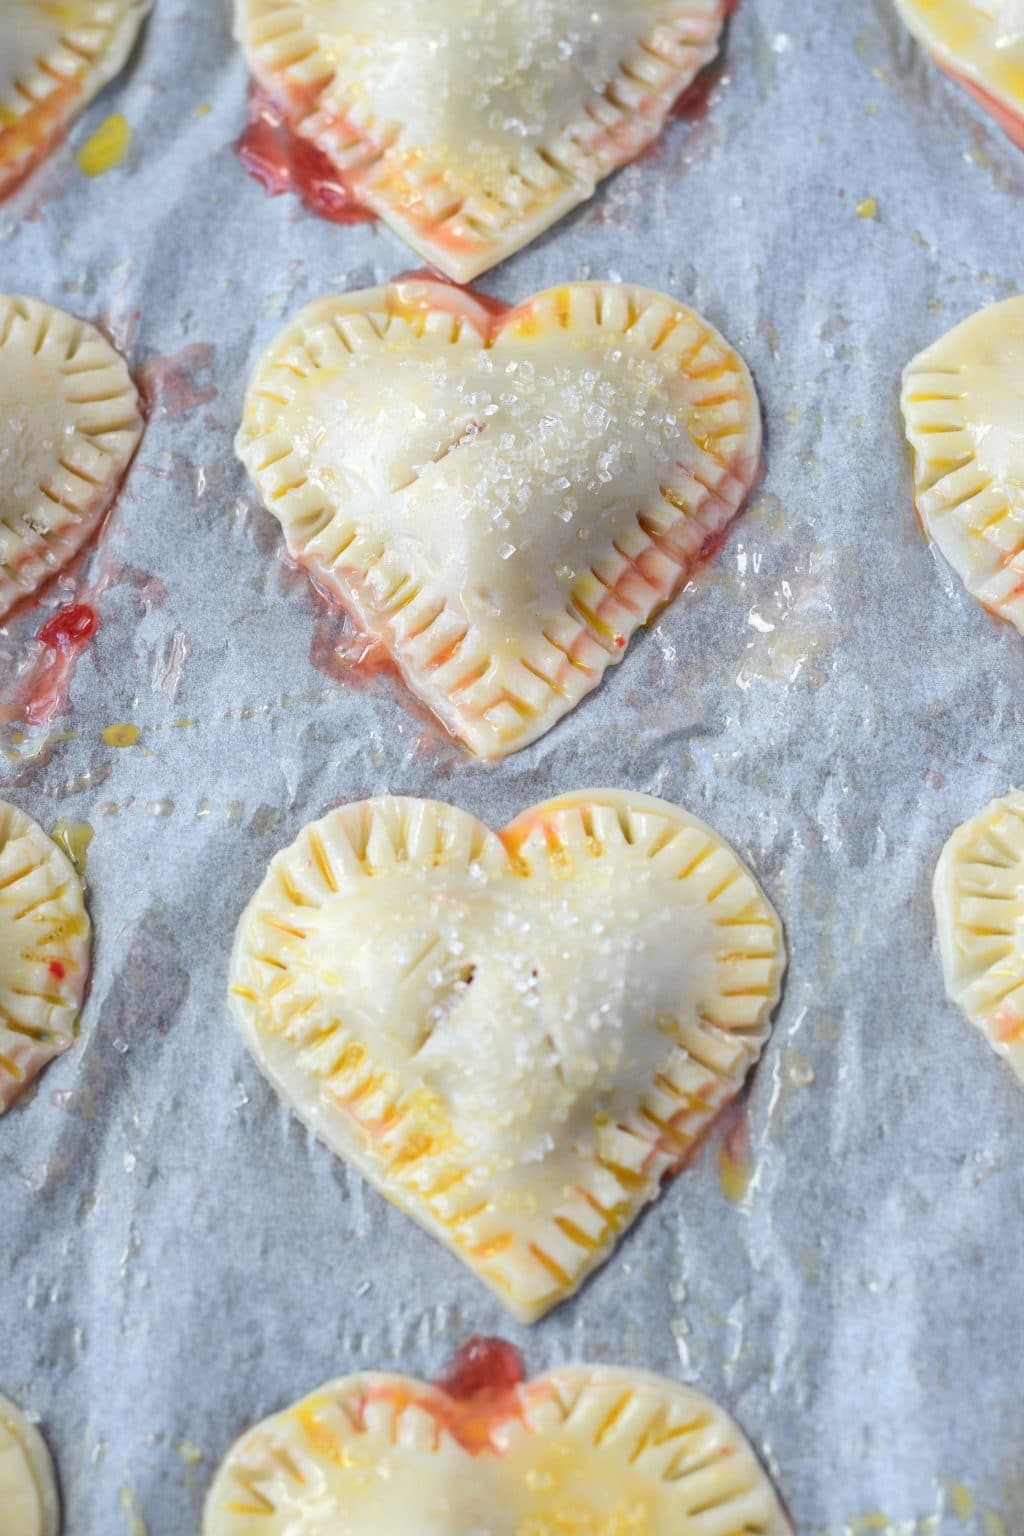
{"points": [[177, 1256]]}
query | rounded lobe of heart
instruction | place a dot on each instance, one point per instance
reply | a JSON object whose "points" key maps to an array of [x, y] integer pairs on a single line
{"points": [[513, 1037], [980, 43], [962, 401], [70, 422], [28, 1486], [54, 58], [502, 500], [44, 951], [979, 909], [583, 1451], [470, 131]]}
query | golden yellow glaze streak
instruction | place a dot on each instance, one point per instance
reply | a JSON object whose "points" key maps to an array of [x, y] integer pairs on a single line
{"points": [[121, 734], [106, 147], [130, 1504], [74, 837], [734, 1175], [961, 1501]]}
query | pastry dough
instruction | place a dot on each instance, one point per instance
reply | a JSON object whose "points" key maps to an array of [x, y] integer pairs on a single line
{"points": [[70, 422], [471, 127], [29, 1503], [981, 44], [963, 402], [503, 500], [55, 56], [513, 1036], [979, 907], [583, 1451], [44, 951]]}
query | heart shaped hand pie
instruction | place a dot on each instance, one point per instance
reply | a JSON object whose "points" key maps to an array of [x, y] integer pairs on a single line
{"points": [[981, 44], [471, 128], [979, 907], [503, 501], [513, 1037], [28, 1488], [54, 58], [582, 1451], [69, 426], [44, 951], [963, 402]]}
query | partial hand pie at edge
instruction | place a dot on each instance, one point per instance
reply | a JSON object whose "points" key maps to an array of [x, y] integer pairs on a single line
{"points": [[54, 58], [581, 1449], [29, 1501], [503, 500], [980, 44], [44, 951], [979, 910], [470, 133], [70, 422], [963, 404], [513, 1036]]}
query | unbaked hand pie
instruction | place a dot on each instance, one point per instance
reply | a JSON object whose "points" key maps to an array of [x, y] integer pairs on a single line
{"points": [[502, 499], [29, 1505], [963, 403], [513, 1036], [981, 44], [44, 951], [582, 1451], [979, 907], [70, 422], [55, 56], [471, 127]]}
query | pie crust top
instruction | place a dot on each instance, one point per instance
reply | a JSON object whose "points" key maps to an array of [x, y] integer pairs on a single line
{"points": [[44, 951], [582, 1451], [469, 127], [963, 403], [70, 422], [28, 1488], [55, 56], [513, 1036], [503, 500], [979, 908]]}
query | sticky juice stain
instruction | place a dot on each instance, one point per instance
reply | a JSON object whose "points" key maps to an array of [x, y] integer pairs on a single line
{"points": [[74, 838], [735, 1164], [867, 208], [106, 147], [130, 1504], [961, 1501], [121, 734]]}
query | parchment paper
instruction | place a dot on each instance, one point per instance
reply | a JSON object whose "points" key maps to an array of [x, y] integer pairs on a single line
{"points": [[177, 1256]]}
